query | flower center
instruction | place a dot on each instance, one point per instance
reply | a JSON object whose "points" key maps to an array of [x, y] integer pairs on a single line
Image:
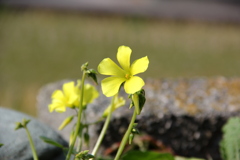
{"points": [[128, 76]]}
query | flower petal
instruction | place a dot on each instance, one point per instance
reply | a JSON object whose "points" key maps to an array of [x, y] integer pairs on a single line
{"points": [[68, 88], [108, 67], [139, 65], [90, 93], [58, 94], [111, 85], [57, 105], [51, 107], [60, 109], [133, 85], [123, 57], [72, 100], [71, 94]]}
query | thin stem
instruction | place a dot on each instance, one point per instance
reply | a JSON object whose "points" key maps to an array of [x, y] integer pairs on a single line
{"points": [[79, 118], [79, 147], [80, 135], [126, 135], [35, 157], [104, 129]]}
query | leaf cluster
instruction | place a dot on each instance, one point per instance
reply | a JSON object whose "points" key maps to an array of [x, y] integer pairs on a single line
{"points": [[230, 144]]}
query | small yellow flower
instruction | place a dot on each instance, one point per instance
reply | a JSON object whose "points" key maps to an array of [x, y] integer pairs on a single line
{"points": [[90, 93], [70, 96], [126, 73]]}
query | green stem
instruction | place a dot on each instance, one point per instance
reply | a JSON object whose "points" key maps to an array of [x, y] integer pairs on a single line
{"points": [[126, 135], [79, 118], [104, 129], [35, 157], [79, 147]]}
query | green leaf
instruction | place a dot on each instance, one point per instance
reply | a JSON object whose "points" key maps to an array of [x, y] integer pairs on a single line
{"points": [[138, 100], [52, 142], [1, 145], [86, 138], [142, 98], [230, 144], [148, 155], [93, 74]]}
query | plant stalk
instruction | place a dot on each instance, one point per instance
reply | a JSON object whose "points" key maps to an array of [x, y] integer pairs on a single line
{"points": [[79, 118], [35, 157], [126, 135], [104, 129]]}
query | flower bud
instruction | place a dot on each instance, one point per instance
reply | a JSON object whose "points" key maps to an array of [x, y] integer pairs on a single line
{"points": [[65, 122], [25, 122], [138, 100], [18, 125], [130, 138], [84, 155], [84, 66]]}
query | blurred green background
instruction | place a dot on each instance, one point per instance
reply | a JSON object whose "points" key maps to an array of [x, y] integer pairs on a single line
{"points": [[41, 46]]}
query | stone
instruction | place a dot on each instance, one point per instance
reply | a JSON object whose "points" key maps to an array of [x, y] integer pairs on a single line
{"points": [[186, 115], [16, 144]]}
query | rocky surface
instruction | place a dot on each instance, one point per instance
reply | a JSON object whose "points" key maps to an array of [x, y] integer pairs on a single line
{"points": [[16, 145], [185, 115], [197, 97]]}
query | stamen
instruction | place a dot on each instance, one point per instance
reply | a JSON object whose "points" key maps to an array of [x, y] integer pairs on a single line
{"points": [[127, 76]]}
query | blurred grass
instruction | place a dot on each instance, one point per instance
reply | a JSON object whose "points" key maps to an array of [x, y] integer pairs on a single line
{"points": [[38, 47]]}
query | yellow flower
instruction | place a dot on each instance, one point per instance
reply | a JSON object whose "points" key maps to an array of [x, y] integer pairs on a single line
{"points": [[126, 73], [90, 93], [70, 96]]}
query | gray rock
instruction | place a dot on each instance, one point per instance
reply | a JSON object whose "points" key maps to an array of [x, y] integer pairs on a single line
{"points": [[184, 114], [16, 144], [199, 97]]}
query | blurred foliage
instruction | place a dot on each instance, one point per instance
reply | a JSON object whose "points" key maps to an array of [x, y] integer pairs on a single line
{"points": [[147, 155], [42, 46], [150, 155], [230, 143]]}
